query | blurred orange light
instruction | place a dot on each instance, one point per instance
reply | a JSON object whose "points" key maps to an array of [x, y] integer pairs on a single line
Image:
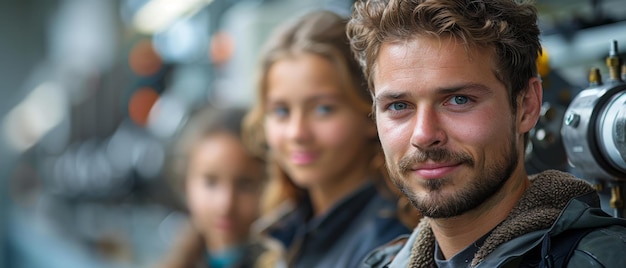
{"points": [[143, 59], [140, 104], [221, 48]]}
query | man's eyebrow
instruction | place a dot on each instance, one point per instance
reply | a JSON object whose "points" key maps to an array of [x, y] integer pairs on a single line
{"points": [[389, 95], [442, 90], [471, 86]]}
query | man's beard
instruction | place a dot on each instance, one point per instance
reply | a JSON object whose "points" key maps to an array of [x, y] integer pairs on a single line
{"points": [[487, 182]]}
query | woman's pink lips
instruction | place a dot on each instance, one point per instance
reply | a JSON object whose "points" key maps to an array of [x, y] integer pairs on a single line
{"points": [[302, 158], [435, 171]]}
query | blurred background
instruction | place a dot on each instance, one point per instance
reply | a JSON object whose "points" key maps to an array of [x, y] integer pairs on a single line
{"points": [[94, 92]]}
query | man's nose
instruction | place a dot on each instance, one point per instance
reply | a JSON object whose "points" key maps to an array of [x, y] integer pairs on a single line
{"points": [[428, 131]]}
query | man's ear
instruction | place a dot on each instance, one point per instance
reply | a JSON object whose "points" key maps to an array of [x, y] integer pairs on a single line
{"points": [[529, 106]]}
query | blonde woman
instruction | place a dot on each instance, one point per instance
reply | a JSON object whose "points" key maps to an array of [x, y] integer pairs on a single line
{"points": [[327, 200]]}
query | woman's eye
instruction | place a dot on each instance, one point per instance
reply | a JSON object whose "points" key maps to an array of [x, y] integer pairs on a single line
{"points": [[398, 106], [323, 109], [458, 100], [280, 111]]}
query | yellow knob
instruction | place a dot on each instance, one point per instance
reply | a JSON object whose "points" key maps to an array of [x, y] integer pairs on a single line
{"points": [[543, 63]]}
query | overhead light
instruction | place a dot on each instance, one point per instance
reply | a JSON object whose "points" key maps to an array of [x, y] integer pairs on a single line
{"points": [[42, 110], [156, 15]]}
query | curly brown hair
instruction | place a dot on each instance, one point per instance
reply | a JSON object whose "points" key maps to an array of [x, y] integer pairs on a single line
{"points": [[505, 26]]}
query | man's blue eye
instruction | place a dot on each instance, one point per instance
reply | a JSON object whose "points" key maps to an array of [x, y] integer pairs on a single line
{"points": [[398, 106], [460, 100]]}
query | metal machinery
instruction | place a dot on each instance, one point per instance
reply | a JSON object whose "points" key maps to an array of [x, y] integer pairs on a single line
{"points": [[594, 131]]}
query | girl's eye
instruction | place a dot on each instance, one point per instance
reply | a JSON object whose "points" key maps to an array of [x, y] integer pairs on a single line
{"points": [[459, 100], [247, 185], [398, 106], [210, 181]]}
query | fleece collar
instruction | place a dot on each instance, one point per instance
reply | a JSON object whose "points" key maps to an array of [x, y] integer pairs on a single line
{"points": [[538, 209]]}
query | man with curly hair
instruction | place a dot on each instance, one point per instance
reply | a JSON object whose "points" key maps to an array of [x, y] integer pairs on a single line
{"points": [[456, 91]]}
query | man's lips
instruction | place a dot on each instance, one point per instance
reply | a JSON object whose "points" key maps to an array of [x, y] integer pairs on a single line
{"points": [[435, 170]]}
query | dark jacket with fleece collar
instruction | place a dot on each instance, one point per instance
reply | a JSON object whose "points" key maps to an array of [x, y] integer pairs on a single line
{"points": [[555, 202]]}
